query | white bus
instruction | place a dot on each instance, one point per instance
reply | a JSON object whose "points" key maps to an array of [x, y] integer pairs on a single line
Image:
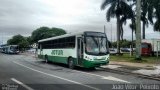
{"points": [[86, 49], [11, 49]]}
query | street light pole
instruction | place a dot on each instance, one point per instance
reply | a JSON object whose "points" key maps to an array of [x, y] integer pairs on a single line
{"points": [[138, 30], [104, 29], [111, 33]]}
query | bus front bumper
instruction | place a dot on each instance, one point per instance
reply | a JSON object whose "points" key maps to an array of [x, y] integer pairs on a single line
{"points": [[90, 64]]}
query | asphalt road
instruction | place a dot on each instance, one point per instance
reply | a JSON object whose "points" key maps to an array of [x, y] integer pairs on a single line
{"points": [[24, 72]]}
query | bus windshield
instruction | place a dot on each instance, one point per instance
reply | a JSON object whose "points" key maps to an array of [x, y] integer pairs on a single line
{"points": [[96, 45], [14, 48]]}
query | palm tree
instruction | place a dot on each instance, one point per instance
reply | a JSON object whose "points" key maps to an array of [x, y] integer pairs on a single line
{"points": [[122, 11], [157, 14], [133, 28], [157, 26], [147, 9]]}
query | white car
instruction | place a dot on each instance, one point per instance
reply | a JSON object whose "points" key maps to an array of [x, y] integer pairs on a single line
{"points": [[113, 51], [31, 50]]}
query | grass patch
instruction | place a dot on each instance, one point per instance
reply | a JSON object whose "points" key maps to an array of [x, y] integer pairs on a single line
{"points": [[128, 58]]}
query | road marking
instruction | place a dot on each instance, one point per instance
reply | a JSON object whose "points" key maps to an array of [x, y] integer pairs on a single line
{"points": [[104, 77], [56, 76], [20, 83], [115, 79]]}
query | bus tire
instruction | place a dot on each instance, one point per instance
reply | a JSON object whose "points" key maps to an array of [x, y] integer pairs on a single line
{"points": [[46, 58], [71, 63], [92, 68]]}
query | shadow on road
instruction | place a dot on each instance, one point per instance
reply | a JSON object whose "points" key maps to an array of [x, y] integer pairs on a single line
{"points": [[66, 66]]}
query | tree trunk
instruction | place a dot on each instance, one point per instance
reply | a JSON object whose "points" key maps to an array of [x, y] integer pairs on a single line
{"points": [[132, 42], [138, 30], [118, 28], [118, 34], [143, 37]]}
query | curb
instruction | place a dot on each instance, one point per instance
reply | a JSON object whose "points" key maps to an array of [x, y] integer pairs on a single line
{"points": [[136, 74], [147, 67]]}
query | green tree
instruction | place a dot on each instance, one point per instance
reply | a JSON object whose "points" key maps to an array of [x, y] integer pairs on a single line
{"points": [[23, 44], [15, 39], [122, 11], [157, 25], [45, 32], [147, 10], [18, 40], [125, 43], [29, 39], [156, 4], [133, 28]]}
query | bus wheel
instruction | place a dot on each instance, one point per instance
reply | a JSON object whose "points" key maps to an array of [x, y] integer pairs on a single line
{"points": [[92, 68], [46, 58], [71, 63]]}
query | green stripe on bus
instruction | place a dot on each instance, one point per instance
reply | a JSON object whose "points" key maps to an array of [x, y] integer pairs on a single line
{"points": [[85, 63], [57, 59]]}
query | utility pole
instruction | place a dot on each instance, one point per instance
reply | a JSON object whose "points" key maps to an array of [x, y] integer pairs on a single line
{"points": [[104, 29], [138, 30], [111, 37], [2, 39], [132, 40], [111, 32]]}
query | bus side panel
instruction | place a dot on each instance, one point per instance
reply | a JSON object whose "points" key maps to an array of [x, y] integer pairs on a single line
{"points": [[58, 55], [58, 59]]}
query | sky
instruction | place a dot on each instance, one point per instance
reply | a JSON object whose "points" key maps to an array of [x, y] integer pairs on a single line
{"points": [[25, 16]]}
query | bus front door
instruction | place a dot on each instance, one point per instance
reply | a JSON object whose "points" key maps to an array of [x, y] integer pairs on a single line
{"points": [[80, 51]]}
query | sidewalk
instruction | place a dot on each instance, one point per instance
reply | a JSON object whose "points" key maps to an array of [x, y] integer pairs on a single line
{"points": [[136, 65], [135, 68]]}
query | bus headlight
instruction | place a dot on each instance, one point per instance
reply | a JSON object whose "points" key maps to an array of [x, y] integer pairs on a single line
{"points": [[88, 58], [104, 58]]}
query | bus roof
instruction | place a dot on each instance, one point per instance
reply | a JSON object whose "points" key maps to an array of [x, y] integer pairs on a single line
{"points": [[65, 35], [61, 36], [13, 45], [10, 46]]}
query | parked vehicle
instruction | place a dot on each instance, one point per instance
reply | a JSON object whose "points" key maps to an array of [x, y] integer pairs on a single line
{"points": [[32, 50], [113, 51], [85, 49], [146, 49], [125, 50], [11, 49], [151, 47], [2, 49]]}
